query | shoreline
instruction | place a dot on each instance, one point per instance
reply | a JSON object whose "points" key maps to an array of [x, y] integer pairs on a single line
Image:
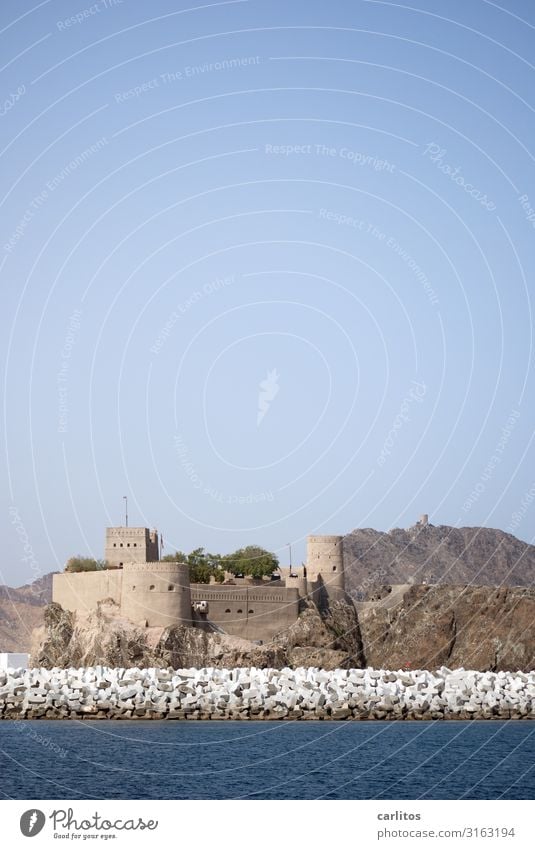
{"points": [[253, 694], [468, 717]]}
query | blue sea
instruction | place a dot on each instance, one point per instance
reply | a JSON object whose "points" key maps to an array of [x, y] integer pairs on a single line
{"points": [[267, 760]]}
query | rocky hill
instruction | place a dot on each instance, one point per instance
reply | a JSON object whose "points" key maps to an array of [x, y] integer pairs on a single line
{"points": [[425, 627], [22, 610], [327, 639], [436, 555]]}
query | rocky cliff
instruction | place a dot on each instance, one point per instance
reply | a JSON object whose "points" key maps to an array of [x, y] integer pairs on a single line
{"points": [[329, 639], [412, 627], [424, 627], [436, 555]]}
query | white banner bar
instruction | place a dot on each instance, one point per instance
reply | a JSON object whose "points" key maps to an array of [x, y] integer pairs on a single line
{"points": [[269, 824]]}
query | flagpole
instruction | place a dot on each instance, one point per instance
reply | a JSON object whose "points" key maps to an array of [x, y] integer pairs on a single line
{"points": [[125, 510]]}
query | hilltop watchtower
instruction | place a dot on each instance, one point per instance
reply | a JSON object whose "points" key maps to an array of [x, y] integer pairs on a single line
{"points": [[131, 545]]}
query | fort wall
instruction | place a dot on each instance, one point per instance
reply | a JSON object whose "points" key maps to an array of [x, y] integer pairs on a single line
{"points": [[253, 613], [154, 594], [82, 590]]}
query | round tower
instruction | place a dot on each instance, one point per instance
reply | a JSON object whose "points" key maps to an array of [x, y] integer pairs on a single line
{"points": [[156, 594], [325, 563]]}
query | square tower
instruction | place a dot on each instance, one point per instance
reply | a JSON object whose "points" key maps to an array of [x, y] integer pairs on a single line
{"points": [[131, 545]]}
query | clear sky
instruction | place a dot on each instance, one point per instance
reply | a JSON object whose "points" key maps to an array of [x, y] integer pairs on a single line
{"points": [[267, 269]]}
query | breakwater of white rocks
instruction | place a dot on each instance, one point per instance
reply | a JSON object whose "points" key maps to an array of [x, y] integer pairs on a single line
{"points": [[249, 693]]}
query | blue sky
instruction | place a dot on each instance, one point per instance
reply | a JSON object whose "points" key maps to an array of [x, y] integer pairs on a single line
{"points": [[267, 269]]}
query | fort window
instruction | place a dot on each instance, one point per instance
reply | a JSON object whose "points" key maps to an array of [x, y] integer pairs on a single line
{"points": [[227, 610], [121, 544], [334, 568], [170, 587], [151, 587], [128, 545], [135, 545], [251, 611], [133, 586], [239, 610], [115, 545]]}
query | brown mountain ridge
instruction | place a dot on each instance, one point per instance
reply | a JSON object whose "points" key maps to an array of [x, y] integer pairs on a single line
{"points": [[429, 554]]}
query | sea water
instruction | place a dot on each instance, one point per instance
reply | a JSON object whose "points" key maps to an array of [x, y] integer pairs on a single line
{"points": [[267, 760]]}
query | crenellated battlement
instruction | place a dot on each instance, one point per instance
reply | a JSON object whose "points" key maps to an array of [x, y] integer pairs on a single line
{"points": [[155, 566]]}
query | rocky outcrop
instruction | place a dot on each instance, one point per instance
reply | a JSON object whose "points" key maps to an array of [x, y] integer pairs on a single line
{"points": [[252, 693], [181, 645], [483, 628], [436, 555], [103, 637], [330, 639]]}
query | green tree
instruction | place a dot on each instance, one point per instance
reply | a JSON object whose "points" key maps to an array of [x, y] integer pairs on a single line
{"points": [[177, 557], [251, 560], [199, 574], [202, 565], [84, 564]]}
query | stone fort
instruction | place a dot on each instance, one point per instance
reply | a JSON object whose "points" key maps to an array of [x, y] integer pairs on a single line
{"points": [[157, 593]]}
